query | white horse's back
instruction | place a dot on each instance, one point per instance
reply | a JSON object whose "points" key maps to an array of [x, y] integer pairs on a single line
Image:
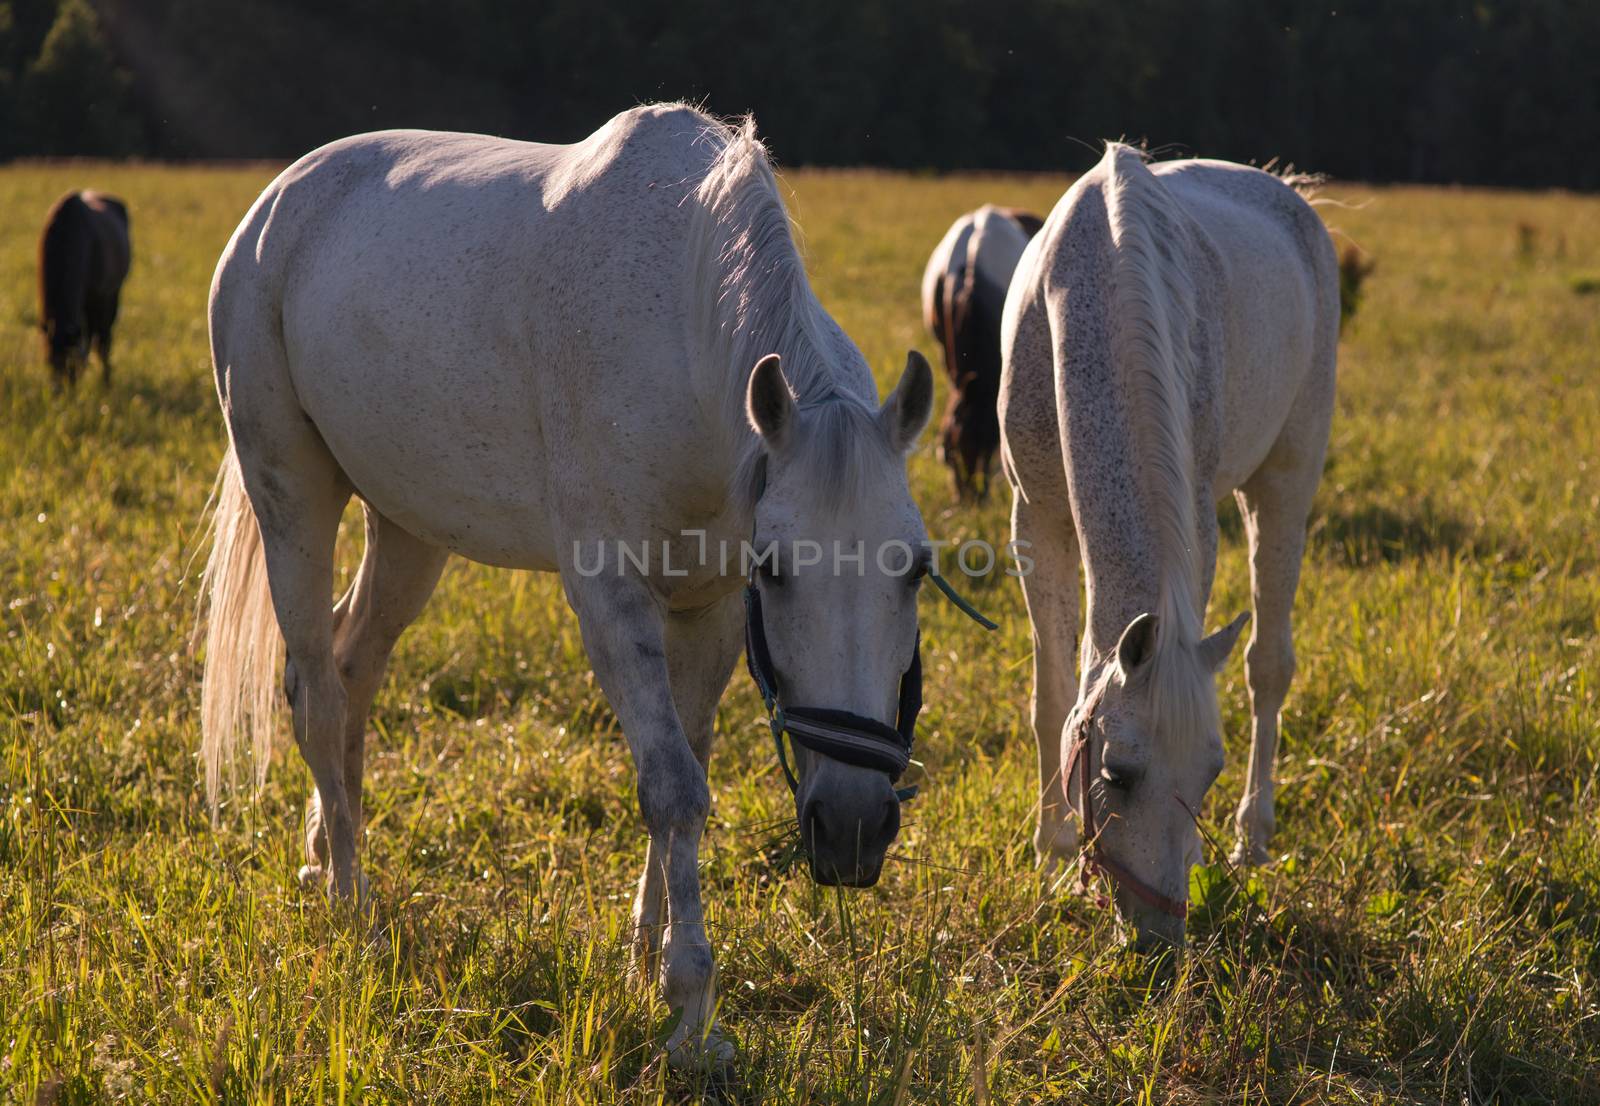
{"points": [[467, 290], [1265, 284], [1276, 289], [999, 241]]}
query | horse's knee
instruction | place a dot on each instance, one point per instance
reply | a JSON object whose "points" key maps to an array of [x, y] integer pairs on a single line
{"points": [[700, 746], [673, 793], [358, 669], [363, 643], [1269, 665]]}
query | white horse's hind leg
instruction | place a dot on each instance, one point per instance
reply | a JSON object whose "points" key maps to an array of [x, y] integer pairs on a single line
{"points": [[397, 575], [625, 635], [299, 493], [1275, 503], [1051, 591], [702, 648]]}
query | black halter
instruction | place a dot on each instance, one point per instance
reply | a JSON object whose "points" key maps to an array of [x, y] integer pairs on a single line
{"points": [[840, 734]]}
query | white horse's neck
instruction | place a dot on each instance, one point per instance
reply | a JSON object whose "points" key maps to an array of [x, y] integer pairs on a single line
{"points": [[1135, 501], [749, 297], [1152, 322]]}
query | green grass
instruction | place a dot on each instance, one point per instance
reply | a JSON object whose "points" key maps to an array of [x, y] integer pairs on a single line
{"points": [[1431, 932]]}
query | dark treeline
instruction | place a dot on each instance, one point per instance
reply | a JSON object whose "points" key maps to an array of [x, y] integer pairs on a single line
{"points": [[1488, 91]]}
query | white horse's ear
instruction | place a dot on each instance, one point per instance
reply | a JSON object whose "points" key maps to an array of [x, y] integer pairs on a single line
{"points": [[906, 411], [1214, 650], [1136, 645], [768, 403]]}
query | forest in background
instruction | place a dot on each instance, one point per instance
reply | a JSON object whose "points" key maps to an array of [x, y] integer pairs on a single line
{"points": [[1496, 92]]}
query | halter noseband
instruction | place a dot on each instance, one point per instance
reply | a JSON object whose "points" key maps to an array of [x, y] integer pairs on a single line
{"points": [[1096, 859], [840, 734]]}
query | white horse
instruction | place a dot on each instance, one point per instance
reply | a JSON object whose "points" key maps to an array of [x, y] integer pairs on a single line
{"points": [[525, 354], [1169, 337], [963, 298]]}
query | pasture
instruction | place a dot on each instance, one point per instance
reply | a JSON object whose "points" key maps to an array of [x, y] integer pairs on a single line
{"points": [[1429, 933]]}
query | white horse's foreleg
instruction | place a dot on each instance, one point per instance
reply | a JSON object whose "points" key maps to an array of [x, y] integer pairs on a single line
{"points": [[1274, 505], [397, 575], [1051, 591], [702, 648], [624, 632]]}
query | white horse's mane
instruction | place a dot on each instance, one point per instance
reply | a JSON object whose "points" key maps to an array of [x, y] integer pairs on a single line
{"points": [[749, 285], [1153, 324]]}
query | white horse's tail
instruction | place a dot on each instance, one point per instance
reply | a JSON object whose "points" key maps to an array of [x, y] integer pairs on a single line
{"points": [[244, 648]]}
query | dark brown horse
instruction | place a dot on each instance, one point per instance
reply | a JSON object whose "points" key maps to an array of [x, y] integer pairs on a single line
{"points": [[963, 297], [83, 259]]}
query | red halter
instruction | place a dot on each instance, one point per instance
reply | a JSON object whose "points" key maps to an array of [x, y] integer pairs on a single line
{"points": [[1094, 858]]}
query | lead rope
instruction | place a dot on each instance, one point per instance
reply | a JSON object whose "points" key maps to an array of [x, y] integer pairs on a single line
{"points": [[961, 604]]}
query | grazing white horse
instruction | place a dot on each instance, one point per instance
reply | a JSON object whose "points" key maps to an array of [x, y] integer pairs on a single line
{"points": [[527, 354], [963, 298], [1169, 337]]}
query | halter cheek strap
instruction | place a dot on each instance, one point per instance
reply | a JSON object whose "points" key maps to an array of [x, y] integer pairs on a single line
{"points": [[1095, 859]]}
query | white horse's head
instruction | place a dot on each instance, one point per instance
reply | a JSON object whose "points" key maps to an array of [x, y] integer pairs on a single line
{"points": [[839, 596], [1146, 739]]}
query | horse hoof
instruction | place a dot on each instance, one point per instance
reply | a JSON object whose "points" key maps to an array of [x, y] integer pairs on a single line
{"points": [[1247, 855], [707, 1052]]}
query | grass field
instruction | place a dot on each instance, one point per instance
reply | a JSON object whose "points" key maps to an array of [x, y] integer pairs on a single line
{"points": [[1429, 933]]}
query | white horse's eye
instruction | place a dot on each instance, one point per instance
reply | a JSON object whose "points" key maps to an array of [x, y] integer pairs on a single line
{"points": [[1118, 781]]}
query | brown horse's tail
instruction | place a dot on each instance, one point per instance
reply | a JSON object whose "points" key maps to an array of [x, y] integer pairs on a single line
{"points": [[955, 296], [244, 649], [955, 302]]}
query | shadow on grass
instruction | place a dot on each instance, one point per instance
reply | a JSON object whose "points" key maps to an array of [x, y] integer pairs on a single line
{"points": [[1373, 533]]}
